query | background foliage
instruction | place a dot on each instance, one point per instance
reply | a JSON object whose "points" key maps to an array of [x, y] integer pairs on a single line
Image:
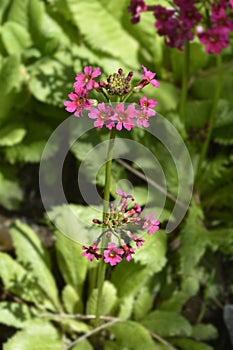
{"points": [[175, 291]]}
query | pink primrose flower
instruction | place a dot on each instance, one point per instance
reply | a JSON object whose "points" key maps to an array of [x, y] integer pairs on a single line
{"points": [[86, 80], [91, 252], [150, 224], [78, 102], [128, 252], [148, 76], [124, 117], [145, 111], [113, 255], [103, 115], [139, 241]]}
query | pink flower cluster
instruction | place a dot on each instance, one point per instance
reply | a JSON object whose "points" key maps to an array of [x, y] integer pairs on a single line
{"points": [[119, 116], [119, 223], [212, 22]]}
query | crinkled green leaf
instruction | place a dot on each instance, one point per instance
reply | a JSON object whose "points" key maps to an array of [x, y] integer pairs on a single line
{"points": [[153, 252], [194, 239], [125, 307], [15, 314], [37, 335], [71, 299], [17, 280], [50, 80], [131, 335], [190, 286], [108, 299], [11, 135], [32, 146], [32, 255], [167, 323], [71, 262], [15, 37], [204, 332], [143, 303], [9, 76], [18, 12], [221, 239], [188, 344], [10, 191], [129, 277], [111, 35]]}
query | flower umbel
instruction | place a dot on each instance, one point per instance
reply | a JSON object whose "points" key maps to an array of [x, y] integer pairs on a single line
{"points": [[117, 85], [121, 222]]}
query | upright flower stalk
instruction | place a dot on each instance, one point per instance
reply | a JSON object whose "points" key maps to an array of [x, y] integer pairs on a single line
{"points": [[107, 186], [120, 221], [185, 78], [212, 116]]}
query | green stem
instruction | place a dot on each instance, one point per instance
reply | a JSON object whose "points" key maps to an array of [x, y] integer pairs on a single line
{"points": [[212, 116], [185, 78], [102, 265]]}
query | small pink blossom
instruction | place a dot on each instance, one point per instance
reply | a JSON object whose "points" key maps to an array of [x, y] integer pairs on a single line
{"points": [[113, 255], [148, 76], [150, 224], [124, 194], [128, 252], [124, 117], [86, 80], [139, 241], [78, 102], [103, 115], [145, 111], [91, 252]]}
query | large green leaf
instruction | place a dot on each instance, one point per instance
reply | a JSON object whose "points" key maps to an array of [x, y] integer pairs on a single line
{"points": [[17, 280], [143, 303], [194, 239], [107, 302], [71, 262], [10, 191], [15, 314], [167, 324], [107, 36], [153, 252], [15, 37], [129, 277], [188, 344], [32, 255], [32, 146], [71, 299], [9, 76], [11, 135], [38, 335], [18, 12], [50, 79], [204, 332], [132, 336], [125, 307], [189, 287]]}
